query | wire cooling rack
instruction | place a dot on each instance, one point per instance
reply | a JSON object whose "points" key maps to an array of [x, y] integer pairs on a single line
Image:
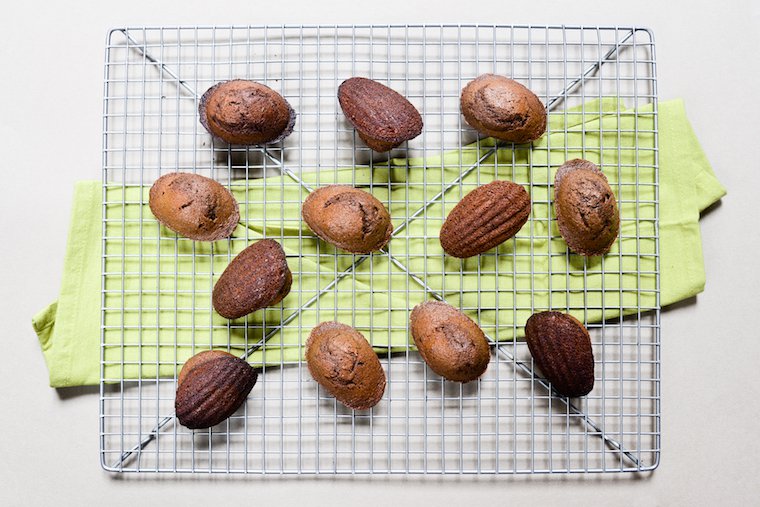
{"points": [[599, 86]]}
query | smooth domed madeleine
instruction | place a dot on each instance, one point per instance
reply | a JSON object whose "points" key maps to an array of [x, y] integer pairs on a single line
{"points": [[194, 206], [256, 278], [503, 108], [449, 341], [351, 219], [383, 118], [246, 112], [586, 209], [211, 386], [561, 348], [484, 218], [342, 361]]}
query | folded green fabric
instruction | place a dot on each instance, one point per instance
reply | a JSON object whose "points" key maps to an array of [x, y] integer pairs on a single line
{"points": [[157, 287]]}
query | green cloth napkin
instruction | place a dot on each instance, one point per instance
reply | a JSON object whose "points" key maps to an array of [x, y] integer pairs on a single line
{"points": [[157, 287]]}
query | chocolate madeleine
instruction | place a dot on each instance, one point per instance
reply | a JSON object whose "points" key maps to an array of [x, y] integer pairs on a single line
{"points": [[485, 218], [449, 341], [586, 209], [342, 361], [349, 218], [383, 118], [246, 112], [256, 278], [212, 385], [194, 206], [503, 108], [561, 348]]}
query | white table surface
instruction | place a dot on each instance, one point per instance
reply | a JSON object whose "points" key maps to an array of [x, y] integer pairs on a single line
{"points": [[52, 69]]}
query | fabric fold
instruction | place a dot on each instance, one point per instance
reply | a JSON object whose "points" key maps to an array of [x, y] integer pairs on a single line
{"points": [[69, 328]]}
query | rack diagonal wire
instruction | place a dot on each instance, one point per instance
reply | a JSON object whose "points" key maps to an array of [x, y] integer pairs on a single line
{"points": [[156, 286]]}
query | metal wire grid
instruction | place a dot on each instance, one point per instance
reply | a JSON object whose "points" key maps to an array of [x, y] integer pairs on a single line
{"points": [[156, 286]]}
